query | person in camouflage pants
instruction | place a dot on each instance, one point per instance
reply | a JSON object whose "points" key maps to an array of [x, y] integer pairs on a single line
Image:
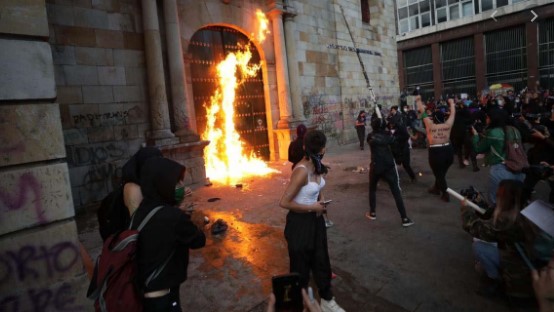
{"points": [[494, 243]]}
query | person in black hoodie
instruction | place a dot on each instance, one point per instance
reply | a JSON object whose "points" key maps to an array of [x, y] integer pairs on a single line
{"points": [[401, 148], [383, 166], [167, 237]]}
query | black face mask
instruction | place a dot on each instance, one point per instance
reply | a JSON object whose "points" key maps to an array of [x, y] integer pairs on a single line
{"points": [[317, 160]]}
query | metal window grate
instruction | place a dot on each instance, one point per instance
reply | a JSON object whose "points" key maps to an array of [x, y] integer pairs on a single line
{"points": [[458, 59], [506, 55], [546, 53], [418, 66]]}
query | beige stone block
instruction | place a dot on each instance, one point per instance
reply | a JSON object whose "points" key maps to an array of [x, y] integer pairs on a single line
{"points": [[133, 41], [91, 18], [76, 75], [111, 75], [100, 134], [34, 196], [27, 70], [128, 58], [60, 14], [109, 39], [97, 94], [75, 136], [24, 17], [30, 132], [78, 36], [69, 95], [118, 21], [128, 94], [93, 56], [40, 258], [63, 55]]}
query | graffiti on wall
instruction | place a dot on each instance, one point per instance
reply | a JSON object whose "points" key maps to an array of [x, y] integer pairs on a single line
{"points": [[28, 189], [98, 174], [97, 154], [36, 262], [118, 115]]}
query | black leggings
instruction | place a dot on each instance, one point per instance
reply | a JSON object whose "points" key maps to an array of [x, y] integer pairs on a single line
{"points": [[361, 135], [440, 159], [391, 176]]}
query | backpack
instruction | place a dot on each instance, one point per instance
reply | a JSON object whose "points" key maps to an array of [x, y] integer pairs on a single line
{"points": [[113, 215], [114, 286], [516, 159]]}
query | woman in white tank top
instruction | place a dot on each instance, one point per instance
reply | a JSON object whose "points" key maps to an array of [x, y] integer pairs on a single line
{"points": [[305, 229]]}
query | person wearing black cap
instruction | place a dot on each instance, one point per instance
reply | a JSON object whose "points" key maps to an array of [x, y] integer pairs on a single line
{"points": [[441, 153], [383, 166]]}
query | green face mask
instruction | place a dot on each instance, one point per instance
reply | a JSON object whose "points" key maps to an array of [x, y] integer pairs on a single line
{"points": [[179, 194]]}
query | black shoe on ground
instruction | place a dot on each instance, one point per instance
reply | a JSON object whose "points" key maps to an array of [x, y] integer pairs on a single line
{"points": [[445, 197], [476, 169], [407, 222]]}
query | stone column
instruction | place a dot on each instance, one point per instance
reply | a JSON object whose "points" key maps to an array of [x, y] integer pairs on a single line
{"points": [[159, 113], [283, 87], [176, 73], [294, 78]]}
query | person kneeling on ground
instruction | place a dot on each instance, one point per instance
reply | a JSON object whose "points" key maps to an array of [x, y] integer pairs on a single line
{"points": [[494, 243]]}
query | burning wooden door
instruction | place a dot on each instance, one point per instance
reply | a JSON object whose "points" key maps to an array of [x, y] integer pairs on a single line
{"points": [[207, 48]]}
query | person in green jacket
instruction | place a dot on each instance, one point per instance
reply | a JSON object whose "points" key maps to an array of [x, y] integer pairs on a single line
{"points": [[492, 143]]}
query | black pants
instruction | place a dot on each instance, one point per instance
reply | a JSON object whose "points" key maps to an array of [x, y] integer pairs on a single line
{"points": [[167, 303], [440, 159], [391, 176], [306, 237], [463, 148], [361, 135], [531, 180], [404, 160]]}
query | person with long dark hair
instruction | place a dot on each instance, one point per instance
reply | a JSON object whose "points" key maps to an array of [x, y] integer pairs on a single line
{"points": [[296, 147], [497, 239], [305, 230], [492, 144], [441, 154]]}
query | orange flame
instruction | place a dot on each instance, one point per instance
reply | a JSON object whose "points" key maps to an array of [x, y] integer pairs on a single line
{"points": [[263, 25], [224, 156]]}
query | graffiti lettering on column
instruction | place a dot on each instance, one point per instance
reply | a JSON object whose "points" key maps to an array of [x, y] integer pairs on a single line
{"points": [[97, 154], [31, 263], [56, 298], [118, 115], [28, 190]]}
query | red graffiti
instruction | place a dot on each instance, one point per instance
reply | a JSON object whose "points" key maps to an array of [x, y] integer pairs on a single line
{"points": [[16, 200], [16, 148]]}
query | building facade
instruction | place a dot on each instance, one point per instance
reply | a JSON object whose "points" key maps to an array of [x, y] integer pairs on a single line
{"points": [[463, 46], [85, 83]]}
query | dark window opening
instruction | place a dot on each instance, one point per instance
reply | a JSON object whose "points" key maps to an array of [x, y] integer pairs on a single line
{"points": [[365, 11]]}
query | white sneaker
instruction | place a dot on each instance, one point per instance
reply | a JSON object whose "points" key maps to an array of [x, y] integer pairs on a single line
{"points": [[330, 306], [466, 162], [329, 223]]}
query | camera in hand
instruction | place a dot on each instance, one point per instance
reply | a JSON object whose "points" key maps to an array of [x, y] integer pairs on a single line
{"points": [[288, 292]]}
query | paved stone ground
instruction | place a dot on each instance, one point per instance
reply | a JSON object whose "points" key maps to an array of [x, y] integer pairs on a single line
{"points": [[381, 266]]}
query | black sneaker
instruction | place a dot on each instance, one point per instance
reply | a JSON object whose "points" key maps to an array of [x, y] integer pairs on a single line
{"points": [[407, 222], [371, 215]]}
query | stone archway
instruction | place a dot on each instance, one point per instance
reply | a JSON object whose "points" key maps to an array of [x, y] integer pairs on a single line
{"points": [[208, 46]]}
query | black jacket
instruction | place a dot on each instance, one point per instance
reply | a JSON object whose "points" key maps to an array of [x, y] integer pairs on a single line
{"points": [[169, 230], [381, 155]]}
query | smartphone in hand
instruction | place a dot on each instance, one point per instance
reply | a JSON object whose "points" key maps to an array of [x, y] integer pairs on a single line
{"points": [[325, 203], [288, 292]]}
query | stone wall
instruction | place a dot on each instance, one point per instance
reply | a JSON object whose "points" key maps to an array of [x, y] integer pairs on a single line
{"points": [[40, 262], [99, 62], [332, 84]]}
